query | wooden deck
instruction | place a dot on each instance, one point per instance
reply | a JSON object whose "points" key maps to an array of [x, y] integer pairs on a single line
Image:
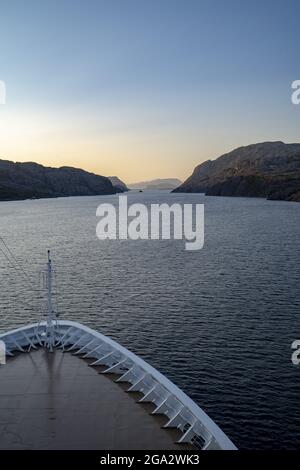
{"points": [[56, 401]]}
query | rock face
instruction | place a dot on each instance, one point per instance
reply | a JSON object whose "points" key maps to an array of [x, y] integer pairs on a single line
{"points": [[270, 170], [31, 180], [164, 183], [118, 184]]}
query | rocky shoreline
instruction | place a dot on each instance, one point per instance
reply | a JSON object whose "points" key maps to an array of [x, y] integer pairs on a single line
{"points": [[19, 181], [269, 170]]}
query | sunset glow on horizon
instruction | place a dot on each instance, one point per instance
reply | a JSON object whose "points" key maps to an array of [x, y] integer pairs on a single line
{"points": [[142, 90]]}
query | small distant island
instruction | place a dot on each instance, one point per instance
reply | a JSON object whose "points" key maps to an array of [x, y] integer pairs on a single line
{"points": [[269, 170], [161, 183], [33, 181]]}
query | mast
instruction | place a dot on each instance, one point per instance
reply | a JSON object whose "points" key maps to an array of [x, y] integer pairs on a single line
{"points": [[51, 317]]}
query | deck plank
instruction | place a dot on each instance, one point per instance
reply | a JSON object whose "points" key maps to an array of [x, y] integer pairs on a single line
{"points": [[56, 401]]}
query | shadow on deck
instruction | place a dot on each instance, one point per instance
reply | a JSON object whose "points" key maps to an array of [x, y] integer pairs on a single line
{"points": [[55, 401]]}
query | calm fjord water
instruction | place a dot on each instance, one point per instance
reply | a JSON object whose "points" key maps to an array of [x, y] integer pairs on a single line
{"points": [[219, 322]]}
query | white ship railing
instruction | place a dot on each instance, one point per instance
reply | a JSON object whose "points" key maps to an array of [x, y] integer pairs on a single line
{"points": [[182, 412]]}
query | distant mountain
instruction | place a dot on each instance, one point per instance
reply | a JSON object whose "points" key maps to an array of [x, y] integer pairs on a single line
{"points": [[163, 183], [118, 184], [269, 169], [31, 180]]}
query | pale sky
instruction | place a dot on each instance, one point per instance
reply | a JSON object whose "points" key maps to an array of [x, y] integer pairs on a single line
{"points": [[145, 89]]}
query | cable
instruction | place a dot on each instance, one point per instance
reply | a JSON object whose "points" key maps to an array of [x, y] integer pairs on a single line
{"points": [[31, 307], [16, 265], [25, 275]]}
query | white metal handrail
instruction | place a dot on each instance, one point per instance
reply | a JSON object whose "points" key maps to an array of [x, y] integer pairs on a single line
{"points": [[168, 399]]}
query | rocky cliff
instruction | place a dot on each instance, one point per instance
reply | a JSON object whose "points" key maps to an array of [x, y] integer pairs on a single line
{"points": [[270, 170], [118, 184], [31, 180]]}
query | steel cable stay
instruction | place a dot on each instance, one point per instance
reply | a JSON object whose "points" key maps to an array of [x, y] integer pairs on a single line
{"points": [[15, 268], [16, 265]]}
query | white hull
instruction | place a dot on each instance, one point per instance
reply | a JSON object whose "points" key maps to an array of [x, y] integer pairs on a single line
{"points": [[182, 413]]}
